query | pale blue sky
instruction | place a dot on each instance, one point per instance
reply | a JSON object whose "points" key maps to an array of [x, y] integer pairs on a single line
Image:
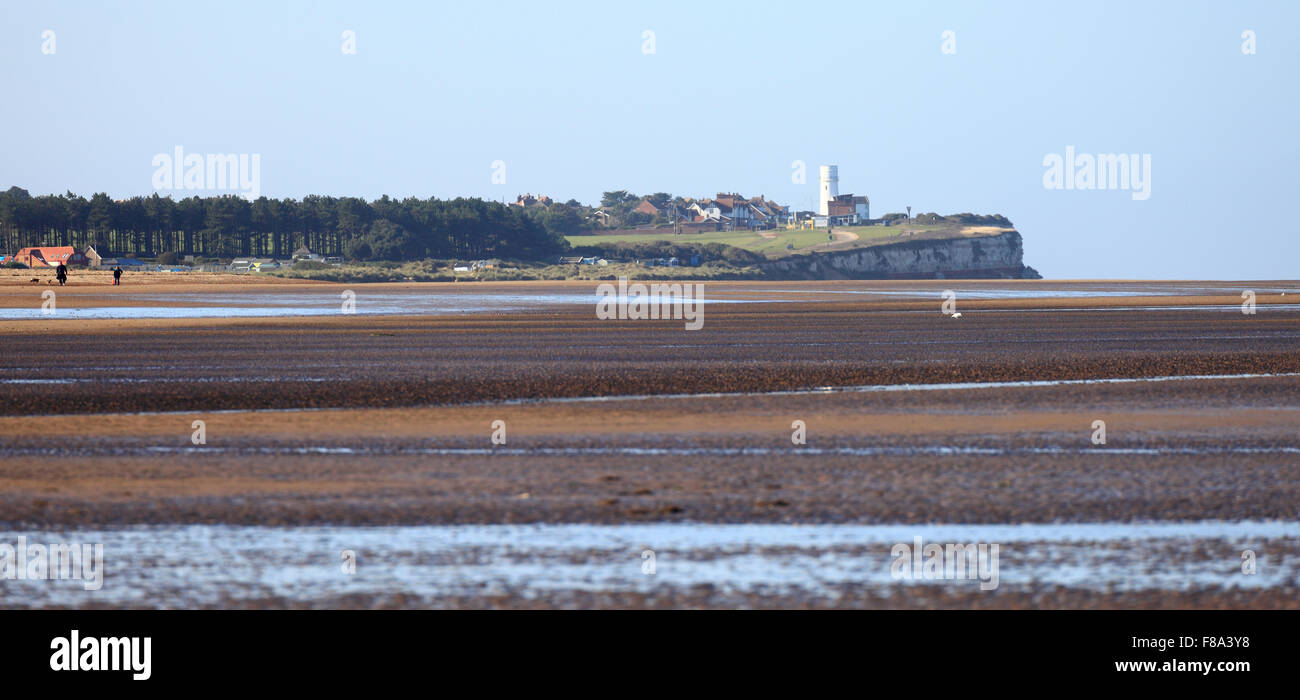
{"points": [[734, 92]]}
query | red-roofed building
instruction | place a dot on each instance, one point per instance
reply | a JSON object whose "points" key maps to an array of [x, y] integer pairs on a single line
{"points": [[50, 256], [732, 211]]}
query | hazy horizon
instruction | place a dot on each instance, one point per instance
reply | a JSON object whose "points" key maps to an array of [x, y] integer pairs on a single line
{"points": [[572, 103]]}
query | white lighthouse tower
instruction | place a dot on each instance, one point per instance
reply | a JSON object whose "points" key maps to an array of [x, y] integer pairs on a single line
{"points": [[830, 184]]}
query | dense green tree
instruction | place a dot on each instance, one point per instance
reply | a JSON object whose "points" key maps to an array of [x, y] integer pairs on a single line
{"points": [[231, 226], [616, 197], [390, 241]]}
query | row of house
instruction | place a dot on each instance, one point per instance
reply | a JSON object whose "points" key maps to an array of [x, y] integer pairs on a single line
{"points": [[53, 256], [579, 260], [730, 211], [733, 211], [726, 212], [243, 265]]}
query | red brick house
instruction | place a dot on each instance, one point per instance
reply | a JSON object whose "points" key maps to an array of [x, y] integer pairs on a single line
{"points": [[645, 207], [50, 256]]}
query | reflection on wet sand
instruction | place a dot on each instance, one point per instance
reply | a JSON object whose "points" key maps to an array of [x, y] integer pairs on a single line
{"points": [[216, 566]]}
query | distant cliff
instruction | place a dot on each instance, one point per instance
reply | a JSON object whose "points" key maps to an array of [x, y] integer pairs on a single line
{"points": [[999, 256]]}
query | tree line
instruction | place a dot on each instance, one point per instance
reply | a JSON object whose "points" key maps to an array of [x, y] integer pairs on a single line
{"points": [[230, 226]]}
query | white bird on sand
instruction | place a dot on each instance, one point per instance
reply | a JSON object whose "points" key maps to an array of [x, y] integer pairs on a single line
{"points": [[957, 315]]}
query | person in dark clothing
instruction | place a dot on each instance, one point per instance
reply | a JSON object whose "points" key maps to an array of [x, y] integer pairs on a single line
{"points": [[62, 273], [117, 275]]}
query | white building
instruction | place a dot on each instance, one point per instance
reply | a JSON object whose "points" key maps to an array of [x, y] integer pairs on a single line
{"points": [[830, 188], [836, 209]]}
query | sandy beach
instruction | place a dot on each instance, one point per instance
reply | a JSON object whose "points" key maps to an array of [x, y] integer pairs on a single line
{"points": [[912, 419]]}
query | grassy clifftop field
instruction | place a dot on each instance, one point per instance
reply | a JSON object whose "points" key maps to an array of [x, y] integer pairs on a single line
{"points": [[778, 243], [776, 253]]}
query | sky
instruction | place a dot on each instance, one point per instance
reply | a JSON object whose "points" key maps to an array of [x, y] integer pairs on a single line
{"points": [[941, 106]]}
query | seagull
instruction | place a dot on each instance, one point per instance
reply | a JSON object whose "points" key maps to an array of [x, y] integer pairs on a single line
{"points": [[957, 315]]}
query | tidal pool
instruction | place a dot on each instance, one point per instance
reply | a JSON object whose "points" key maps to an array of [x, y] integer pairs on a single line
{"points": [[211, 565]]}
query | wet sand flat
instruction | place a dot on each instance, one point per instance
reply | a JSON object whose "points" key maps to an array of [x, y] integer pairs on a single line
{"points": [[694, 565], [912, 418], [113, 365], [1223, 448], [89, 289]]}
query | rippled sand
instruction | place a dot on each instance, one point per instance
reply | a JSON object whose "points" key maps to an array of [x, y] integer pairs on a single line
{"points": [[335, 425]]}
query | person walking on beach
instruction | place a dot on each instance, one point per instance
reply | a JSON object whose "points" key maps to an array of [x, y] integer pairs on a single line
{"points": [[62, 273], [117, 275]]}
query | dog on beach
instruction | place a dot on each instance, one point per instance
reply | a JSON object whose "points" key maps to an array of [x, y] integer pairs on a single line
{"points": [[36, 280]]}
